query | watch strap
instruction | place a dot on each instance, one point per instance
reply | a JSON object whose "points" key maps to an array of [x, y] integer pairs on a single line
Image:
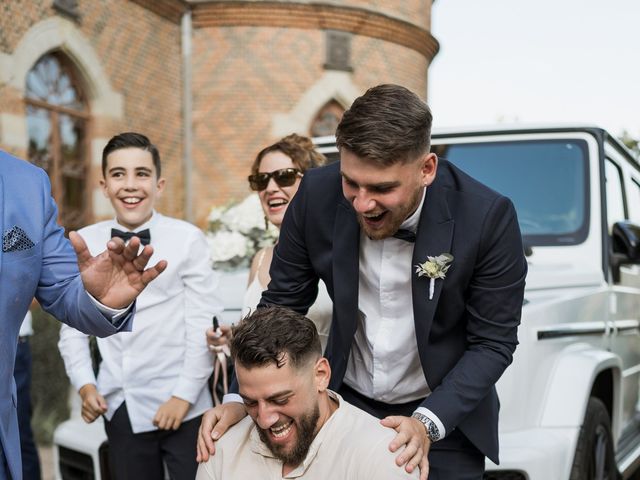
{"points": [[432, 429]]}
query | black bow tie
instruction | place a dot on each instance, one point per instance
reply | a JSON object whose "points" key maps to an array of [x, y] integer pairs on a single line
{"points": [[143, 235], [406, 235]]}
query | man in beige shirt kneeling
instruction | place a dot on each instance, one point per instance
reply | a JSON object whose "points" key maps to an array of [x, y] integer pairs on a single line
{"points": [[296, 428]]}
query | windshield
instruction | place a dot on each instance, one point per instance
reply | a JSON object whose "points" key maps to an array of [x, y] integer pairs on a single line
{"points": [[547, 180]]}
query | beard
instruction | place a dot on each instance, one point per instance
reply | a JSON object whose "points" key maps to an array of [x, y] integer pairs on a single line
{"points": [[394, 218], [305, 433]]}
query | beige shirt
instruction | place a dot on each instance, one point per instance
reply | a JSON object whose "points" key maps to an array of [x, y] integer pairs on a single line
{"points": [[351, 445]]}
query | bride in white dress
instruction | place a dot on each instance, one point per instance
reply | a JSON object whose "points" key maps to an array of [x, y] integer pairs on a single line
{"points": [[275, 175]]}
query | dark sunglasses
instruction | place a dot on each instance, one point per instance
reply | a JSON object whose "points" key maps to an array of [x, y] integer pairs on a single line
{"points": [[285, 177]]}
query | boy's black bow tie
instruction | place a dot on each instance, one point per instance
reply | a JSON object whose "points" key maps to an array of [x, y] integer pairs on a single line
{"points": [[407, 235], [143, 235]]}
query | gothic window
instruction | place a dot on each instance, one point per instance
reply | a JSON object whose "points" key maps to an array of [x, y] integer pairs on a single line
{"points": [[57, 118], [327, 119]]}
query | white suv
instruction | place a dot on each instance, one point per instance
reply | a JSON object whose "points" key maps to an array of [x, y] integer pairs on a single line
{"points": [[570, 405], [570, 400]]}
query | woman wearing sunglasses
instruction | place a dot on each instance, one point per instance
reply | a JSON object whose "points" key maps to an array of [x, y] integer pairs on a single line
{"points": [[275, 176]]}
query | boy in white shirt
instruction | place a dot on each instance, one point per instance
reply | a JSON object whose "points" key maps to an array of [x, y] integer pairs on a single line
{"points": [[151, 387]]}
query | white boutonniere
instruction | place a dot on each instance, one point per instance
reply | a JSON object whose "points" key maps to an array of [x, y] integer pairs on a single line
{"points": [[434, 267]]}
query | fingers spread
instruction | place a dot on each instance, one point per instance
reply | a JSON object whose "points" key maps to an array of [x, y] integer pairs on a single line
{"points": [[413, 460], [151, 273], [392, 421], [400, 439], [116, 245], [424, 468], [80, 247]]}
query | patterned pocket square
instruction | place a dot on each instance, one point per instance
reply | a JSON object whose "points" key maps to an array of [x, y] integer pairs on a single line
{"points": [[16, 239]]}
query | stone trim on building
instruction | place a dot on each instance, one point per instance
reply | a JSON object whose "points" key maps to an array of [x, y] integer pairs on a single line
{"points": [[317, 17], [58, 33], [171, 10], [333, 85]]}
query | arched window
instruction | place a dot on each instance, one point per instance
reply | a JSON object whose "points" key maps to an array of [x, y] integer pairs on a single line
{"points": [[327, 119], [57, 117]]}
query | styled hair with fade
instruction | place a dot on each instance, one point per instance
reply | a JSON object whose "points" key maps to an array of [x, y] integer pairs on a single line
{"points": [[275, 335], [130, 140], [386, 125]]}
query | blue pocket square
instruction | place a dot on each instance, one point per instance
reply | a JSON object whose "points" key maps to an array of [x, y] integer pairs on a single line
{"points": [[16, 239]]}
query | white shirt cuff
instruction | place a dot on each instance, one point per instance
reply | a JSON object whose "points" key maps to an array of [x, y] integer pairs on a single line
{"points": [[434, 418], [113, 314], [232, 397]]}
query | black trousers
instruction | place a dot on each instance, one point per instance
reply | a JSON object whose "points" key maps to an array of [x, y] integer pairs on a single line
{"points": [[22, 376], [452, 458], [140, 456]]}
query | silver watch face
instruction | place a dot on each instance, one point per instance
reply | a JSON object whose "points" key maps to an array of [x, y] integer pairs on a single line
{"points": [[432, 430]]}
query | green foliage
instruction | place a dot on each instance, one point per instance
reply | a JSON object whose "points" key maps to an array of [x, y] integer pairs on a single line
{"points": [[632, 143], [49, 385]]}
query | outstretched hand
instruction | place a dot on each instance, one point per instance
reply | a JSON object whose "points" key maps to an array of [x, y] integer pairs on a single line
{"points": [[116, 276]]}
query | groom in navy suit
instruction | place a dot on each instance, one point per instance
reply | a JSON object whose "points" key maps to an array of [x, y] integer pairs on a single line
{"points": [[92, 294], [426, 270]]}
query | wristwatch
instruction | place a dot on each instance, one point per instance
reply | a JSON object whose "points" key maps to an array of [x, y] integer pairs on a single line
{"points": [[432, 429]]}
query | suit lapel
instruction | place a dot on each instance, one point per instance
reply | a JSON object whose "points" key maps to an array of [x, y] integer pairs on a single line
{"points": [[346, 251], [434, 236]]}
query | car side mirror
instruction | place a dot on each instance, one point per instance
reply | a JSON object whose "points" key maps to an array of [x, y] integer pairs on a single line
{"points": [[625, 246]]}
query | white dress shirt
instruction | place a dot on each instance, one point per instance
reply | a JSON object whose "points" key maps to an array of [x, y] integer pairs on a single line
{"points": [[384, 364], [166, 353]]}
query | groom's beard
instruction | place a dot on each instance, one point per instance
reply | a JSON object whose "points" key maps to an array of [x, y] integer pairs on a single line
{"points": [[393, 218], [305, 428]]}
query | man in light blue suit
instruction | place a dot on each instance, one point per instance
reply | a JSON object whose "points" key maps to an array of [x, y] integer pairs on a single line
{"points": [[92, 294]]}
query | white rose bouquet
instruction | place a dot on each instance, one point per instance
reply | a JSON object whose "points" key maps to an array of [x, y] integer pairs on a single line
{"points": [[236, 232]]}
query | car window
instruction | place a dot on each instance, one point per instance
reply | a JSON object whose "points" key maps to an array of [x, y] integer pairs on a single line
{"points": [[634, 202], [547, 180], [614, 192]]}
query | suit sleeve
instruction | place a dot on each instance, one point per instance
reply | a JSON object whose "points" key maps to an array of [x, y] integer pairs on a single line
{"points": [[60, 290], [492, 315], [294, 282]]}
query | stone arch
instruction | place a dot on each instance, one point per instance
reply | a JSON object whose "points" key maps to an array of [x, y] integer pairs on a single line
{"points": [[332, 86], [56, 33], [326, 119]]}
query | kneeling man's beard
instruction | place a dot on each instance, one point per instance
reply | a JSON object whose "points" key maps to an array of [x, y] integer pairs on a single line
{"points": [[305, 428]]}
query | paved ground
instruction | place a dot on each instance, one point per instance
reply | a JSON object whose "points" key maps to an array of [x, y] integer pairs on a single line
{"points": [[46, 463]]}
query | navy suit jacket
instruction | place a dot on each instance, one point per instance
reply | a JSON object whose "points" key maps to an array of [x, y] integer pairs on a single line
{"points": [[466, 334], [46, 267]]}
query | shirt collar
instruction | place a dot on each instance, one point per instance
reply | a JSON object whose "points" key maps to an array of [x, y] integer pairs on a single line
{"points": [[258, 446], [155, 216]]}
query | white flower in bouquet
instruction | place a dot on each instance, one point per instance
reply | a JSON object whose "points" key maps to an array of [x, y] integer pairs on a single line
{"points": [[228, 247], [245, 216], [237, 232]]}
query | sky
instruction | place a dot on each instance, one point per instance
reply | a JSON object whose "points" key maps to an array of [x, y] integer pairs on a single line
{"points": [[536, 62]]}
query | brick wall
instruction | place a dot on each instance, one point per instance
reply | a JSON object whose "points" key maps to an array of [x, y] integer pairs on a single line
{"points": [[244, 75], [140, 53]]}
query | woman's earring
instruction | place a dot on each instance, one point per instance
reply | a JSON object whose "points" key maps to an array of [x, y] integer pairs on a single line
{"points": [[266, 223]]}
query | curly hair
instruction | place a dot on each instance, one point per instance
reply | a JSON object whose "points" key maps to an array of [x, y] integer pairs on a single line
{"points": [[299, 149]]}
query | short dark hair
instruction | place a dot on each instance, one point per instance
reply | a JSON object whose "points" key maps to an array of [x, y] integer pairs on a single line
{"points": [[299, 149], [130, 140], [275, 335], [388, 124]]}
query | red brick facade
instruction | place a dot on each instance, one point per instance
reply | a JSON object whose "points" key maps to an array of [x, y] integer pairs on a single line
{"points": [[257, 69]]}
